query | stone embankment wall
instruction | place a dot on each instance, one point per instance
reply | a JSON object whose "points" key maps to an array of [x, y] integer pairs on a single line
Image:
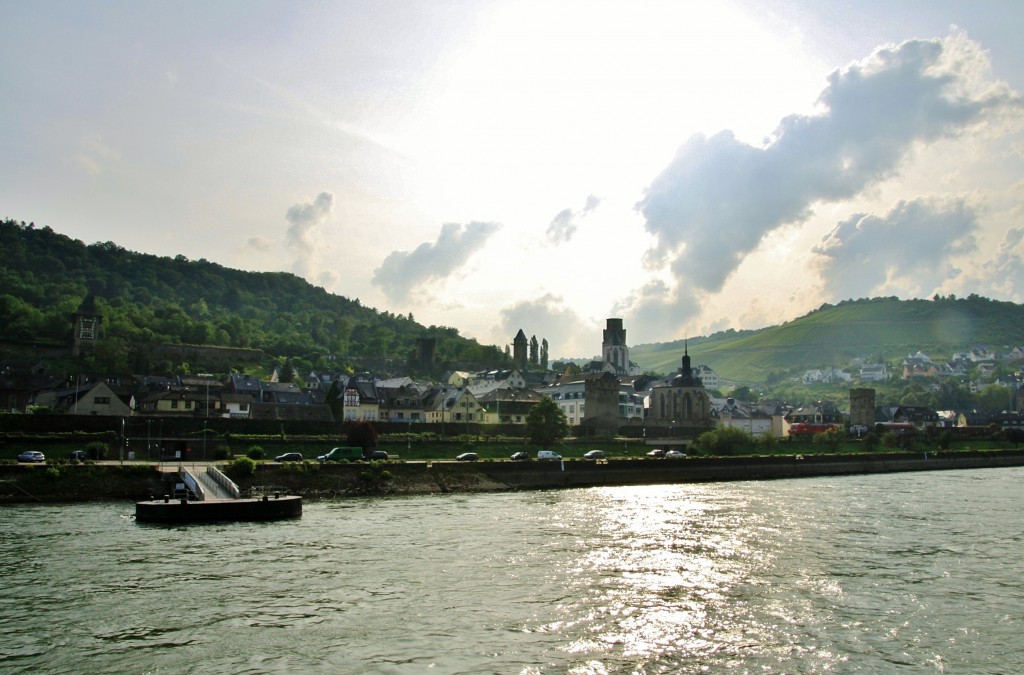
{"points": [[86, 482], [341, 480]]}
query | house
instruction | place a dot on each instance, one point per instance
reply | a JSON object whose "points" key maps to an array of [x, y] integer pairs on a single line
{"points": [[569, 394], [812, 376], [401, 403], [509, 377], [507, 405], [360, 400], [178, 401], [19, 384], [452, 404], [707, 376], [873, 372], [236, 406], [89, 398], [751, 418]]}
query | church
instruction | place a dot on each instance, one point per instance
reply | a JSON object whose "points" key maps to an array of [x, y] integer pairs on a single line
{"points": [[680, 403]]}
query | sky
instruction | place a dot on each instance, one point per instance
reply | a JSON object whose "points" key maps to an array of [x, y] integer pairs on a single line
{"points": [[497, 165]]}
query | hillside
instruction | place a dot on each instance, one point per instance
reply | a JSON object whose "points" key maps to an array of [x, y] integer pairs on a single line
{"points": [[147, 301], [881, 328]]}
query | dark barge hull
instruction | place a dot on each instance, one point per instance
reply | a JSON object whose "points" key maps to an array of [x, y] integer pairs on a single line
{"points": [[227, 510]]}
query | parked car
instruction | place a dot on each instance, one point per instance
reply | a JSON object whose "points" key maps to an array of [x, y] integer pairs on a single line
{"points": [[520, 456], [378, 454], [593, 454], [468, 457], [79, 455], [675, 454], [548, 454], [31, 456], [657, 452], [289, 457], [345, 453]]}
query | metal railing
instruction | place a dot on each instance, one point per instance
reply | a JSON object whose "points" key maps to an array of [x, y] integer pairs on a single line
{"points": [[192, 484], [220, 479]]}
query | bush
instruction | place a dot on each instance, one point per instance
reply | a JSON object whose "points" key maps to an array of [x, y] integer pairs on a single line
{"points": [[725, 441], [243, 467], [831, 438], [255, 452], [96, 450]]}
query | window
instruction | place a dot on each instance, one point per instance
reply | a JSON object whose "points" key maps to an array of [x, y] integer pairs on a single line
{"points": [[174, 404], [101, 400]]}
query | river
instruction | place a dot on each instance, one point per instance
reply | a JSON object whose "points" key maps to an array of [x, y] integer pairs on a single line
{"points": [[912, 572]]}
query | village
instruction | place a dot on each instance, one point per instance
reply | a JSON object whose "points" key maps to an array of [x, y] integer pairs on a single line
{"points": [[606, 397]]}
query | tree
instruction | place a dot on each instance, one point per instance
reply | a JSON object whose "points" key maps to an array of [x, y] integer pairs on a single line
{"points": [[546, 423], [725, 441], [741, 393], [363, 435], [544, 353]]}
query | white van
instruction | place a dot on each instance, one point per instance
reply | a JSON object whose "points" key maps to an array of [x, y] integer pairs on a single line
{"points": [[547, 454]]}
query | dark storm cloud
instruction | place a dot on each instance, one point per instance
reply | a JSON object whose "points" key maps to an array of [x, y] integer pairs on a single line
{"points": [[719, 197], [912, 247], [563, 226], [402, 271]]}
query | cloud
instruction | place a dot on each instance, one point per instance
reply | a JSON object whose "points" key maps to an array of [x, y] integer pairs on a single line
{"points": [[549, 318], [563, 226], [719, 197], [1005, 272], [656, 309], [909, 249], [402, 271], [95, 154], [260, 244], [301, 238]]}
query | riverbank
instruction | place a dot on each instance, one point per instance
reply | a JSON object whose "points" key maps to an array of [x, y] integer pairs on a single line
{"points": [[89, 482]]}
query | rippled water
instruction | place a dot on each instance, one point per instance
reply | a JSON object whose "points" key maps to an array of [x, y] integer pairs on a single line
{"points": [[911, 572]]}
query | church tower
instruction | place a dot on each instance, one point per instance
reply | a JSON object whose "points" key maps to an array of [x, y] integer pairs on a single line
{"points": [[613, 347]]}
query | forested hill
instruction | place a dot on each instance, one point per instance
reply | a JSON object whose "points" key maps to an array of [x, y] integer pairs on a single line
{"points": [[148, 300], [880, 329]]}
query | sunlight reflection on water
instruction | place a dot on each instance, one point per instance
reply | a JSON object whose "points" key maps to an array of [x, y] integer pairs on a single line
{"points": [[864, 573]]}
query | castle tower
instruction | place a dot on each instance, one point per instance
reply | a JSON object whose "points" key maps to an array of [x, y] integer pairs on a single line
{"points": [[87, 327], [862, 407], [520, 346], [613, 346]]}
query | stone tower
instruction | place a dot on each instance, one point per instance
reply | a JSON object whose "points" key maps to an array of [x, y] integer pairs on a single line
{"points": [[862, 407], [520, 346], [87, 327]]}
